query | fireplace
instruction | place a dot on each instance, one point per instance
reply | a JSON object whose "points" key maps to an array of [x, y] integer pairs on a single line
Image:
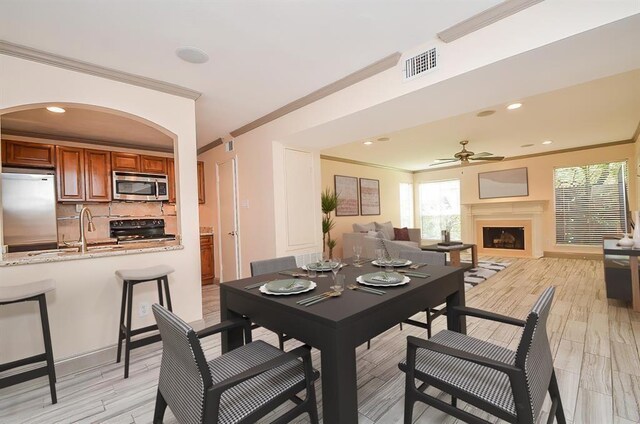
{"points": [[503, 238]]}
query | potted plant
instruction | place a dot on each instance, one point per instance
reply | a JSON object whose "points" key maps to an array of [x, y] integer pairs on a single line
{"points": [[329, 203]]}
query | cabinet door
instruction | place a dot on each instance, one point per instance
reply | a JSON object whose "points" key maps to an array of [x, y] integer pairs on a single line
{"points": [[201, 183], [171, 176], [128, 162], [153, 164], [206, 259], [28, 154], [70, 173], [97, 175]]}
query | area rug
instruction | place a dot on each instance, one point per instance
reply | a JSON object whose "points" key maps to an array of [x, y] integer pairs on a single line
{"points": [[485, 269]]}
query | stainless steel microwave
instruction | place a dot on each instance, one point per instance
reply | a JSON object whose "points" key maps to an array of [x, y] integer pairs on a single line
{"points": [[134, 186]]}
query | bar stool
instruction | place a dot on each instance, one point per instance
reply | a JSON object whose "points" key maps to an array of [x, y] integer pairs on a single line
{"points": [[131, 277], [31, 292]]}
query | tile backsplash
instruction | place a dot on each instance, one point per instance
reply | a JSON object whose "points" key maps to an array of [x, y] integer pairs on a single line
{"points": [[104, 212]]}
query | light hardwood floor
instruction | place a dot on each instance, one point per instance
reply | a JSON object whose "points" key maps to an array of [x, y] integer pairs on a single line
{"points": [[594, 342]]}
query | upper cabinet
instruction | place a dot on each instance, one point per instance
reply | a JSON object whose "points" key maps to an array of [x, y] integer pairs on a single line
{"points": [[201, 183], [18, 153], [153, 164], [129, 162], [171, 176], [70, 173], [97, 175]]}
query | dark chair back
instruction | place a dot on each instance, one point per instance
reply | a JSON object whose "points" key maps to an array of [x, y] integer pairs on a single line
{"points": [[534, 353], [184, 375], [269, 266]]}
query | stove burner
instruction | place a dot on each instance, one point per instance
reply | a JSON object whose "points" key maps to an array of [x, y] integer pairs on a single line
{"points": [[139, 230]]}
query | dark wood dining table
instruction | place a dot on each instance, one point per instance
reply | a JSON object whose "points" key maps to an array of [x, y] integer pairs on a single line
{"points": [[338, 325]]}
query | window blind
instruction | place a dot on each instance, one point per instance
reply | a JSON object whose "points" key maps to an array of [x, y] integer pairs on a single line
{"points": [[590, 202]]}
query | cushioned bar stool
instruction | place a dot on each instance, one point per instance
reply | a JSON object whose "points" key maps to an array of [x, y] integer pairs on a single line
{"points": [[31, 292], [131, 277]]}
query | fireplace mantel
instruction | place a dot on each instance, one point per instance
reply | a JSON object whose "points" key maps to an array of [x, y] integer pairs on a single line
{"points": [[510, 207]]}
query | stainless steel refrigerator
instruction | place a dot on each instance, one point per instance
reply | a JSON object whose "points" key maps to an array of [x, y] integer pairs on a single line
{"points": [[29, 209]]}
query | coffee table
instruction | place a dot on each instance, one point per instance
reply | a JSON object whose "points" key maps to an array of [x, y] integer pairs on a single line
{"points": [[454, 252]]}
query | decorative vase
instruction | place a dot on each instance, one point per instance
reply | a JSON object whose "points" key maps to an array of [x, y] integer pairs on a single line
{"points": [[626, 242], [636, 229]]}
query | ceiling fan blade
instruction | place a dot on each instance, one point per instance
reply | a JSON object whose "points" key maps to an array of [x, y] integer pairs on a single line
{"points": [[482, 154], [447, 159], [496, 158], [440, 161]]}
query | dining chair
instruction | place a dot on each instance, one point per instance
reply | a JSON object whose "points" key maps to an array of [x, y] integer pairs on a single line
{"points": [[270, 266], [510, 385], [240, 386], [428, 258]]}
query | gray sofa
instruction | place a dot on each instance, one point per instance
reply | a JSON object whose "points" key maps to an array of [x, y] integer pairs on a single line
{"points": [[363, 235]]}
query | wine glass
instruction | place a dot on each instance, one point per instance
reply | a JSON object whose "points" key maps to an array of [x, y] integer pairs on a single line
{"points": [[357, 251], [338, 283], [380, 256], [336, 268]]}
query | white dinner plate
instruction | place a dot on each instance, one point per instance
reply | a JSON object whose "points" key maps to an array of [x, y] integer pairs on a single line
{"points": [[263, 289], [404, 281], [396, 264]]}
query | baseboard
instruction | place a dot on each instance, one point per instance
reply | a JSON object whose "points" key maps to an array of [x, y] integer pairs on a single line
{"points": [[574, 255]]}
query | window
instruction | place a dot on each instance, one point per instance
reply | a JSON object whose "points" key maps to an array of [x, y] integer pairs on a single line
{"points": [[590, 202], [406, 205], [440, 209]]}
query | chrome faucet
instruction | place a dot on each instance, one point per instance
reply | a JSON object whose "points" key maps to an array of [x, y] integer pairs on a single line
{"points": [[91, 228]]}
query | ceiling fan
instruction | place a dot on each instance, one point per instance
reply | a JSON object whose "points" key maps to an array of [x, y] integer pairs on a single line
{"points": [[464, 156]]}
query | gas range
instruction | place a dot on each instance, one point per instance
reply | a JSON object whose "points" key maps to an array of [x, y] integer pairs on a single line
{"points": [[139, 230]]}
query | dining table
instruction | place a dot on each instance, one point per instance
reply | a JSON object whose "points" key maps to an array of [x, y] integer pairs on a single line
{"points": [[338, 325]]}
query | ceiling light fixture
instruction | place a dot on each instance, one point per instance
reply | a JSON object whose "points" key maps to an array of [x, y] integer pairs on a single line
{"points": [[485, 113], [368, 143], [527, 145], [514, 106], [192, 55], [55, 109], [384, 139], [547, 142]]}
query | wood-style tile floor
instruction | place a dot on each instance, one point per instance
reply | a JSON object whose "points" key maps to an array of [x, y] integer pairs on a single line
{"points": [[594, 343]]}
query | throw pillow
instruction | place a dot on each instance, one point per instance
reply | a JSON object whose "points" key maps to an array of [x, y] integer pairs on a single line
{"points": [[401, 234], [364, 228], [386, 228]]}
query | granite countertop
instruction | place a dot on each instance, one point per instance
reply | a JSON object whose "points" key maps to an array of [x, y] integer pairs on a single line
{"points": [[27, 258]]}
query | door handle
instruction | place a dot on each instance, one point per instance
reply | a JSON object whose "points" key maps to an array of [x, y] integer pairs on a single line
{"points": [[232, 233]]}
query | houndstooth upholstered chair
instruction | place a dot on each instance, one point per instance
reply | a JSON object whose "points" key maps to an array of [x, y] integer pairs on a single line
{"points": [[270, 266], [510, 385], [240, 386]]}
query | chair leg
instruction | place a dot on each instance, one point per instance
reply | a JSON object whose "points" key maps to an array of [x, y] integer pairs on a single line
{"points": [[127, 345], [313, 407], [48, 350], [122, 309], [454, 402], [167, 293], [429, 321], [368, 344], [554, 393], [281, 341], [160, 297], [161, 406], [408, 406], [400, 326]]}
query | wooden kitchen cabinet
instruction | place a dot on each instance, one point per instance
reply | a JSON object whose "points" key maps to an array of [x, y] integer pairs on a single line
{"points": [[153, 164], [171, 177], [128, 162], [97, 175], [70, 173], [201, 183], [206, 259], [18, 153]]}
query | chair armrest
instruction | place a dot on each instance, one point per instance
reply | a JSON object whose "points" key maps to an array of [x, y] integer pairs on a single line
{"points": [[414, 342], [479, 313], [227, 325], [303, 352]]}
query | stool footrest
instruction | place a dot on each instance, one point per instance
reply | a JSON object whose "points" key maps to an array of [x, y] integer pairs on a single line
{"points": [[137, 331], [145, 341], [25, 361], [23, 376]]}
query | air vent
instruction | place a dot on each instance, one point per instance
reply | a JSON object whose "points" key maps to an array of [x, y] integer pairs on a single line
{"points": [[228, 146], [419, 64]]}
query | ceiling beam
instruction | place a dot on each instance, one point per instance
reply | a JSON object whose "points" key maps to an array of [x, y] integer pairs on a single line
{"points": [[40, 56], [215, 143], [485, 18]]}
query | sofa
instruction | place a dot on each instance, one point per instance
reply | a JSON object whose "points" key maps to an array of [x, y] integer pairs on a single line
{"points": [[376, 235]]}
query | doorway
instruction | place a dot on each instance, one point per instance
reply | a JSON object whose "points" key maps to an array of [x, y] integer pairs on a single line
{"points": [[229, 242]]}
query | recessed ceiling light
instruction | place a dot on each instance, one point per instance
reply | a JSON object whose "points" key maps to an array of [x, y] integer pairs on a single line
{"points": [[485, 113], [527, 145], [547, 142], [192, 55], [384, 139], [55, 109], [514, 106], [368, 143]]}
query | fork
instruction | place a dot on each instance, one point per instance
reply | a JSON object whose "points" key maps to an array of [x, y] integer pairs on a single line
{"points": [[366, 289]]}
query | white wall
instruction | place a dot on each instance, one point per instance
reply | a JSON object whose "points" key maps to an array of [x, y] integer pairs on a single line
{"points": [[85, 307]]}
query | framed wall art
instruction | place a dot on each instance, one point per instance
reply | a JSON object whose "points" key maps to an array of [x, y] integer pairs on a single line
{"points": [[506, 183], [347, 190], [369, 197]]}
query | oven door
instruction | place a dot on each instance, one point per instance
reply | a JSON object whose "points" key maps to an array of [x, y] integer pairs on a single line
{"points": [[140, 187]]}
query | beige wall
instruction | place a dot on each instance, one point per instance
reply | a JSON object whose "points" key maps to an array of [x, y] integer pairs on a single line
{"points": [[389, 194], [84, 308], [540, 173]]}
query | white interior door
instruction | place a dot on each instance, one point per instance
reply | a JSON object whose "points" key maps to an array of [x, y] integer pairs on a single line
{"points": [[228, 220]]}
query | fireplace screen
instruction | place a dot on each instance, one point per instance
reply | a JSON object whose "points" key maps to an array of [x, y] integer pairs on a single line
{"points": [[503, 237]]}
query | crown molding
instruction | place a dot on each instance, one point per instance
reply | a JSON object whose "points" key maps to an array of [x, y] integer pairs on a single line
{"points": [[370, 165], [636, 134], [215, 143], [485, 18], [351, 79], [46, 58]]}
